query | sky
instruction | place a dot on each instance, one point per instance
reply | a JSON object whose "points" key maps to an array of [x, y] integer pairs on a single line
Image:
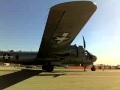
{"points": [[22, 24]]}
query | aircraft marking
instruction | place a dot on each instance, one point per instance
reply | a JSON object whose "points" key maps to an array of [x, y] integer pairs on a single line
{"points": [[62, 38], [7, 56]]}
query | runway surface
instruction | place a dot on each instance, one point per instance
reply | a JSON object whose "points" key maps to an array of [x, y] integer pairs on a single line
{"points": [[15, 78]]}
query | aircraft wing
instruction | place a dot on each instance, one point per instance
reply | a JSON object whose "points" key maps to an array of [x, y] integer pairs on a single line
{"points": [[64, 22]]}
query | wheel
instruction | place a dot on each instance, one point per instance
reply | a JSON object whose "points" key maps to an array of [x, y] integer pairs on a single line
{"points": [[49, 68], [93, 69], [44, 67]]}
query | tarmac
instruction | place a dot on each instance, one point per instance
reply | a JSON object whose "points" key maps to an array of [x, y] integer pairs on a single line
{"points": [[17, 78]]}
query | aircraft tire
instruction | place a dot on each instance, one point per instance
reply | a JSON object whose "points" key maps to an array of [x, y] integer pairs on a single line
{"points": [[44, 67], [93, 69], [49, 68]]}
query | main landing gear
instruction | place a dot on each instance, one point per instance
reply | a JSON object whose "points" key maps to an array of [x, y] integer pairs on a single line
{"points": [[48, 68]]}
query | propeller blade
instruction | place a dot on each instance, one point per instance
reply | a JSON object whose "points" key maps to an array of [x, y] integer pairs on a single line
{"points": [[88, 54], [84, 44]]}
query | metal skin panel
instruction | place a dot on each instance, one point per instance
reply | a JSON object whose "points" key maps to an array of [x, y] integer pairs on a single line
{"points": [[17, 57]]}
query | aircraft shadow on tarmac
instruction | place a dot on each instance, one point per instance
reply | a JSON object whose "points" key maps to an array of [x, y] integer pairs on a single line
{"points": [[70, 70], [16, 77], [54, 74]]}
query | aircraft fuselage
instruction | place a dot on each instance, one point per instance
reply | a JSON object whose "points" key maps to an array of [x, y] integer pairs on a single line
{"points": [[73, 55]]}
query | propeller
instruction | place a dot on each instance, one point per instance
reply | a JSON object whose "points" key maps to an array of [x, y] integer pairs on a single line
{"points": [[84, 46]]}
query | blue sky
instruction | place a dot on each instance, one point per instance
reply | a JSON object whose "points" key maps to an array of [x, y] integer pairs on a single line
{"points": [[22, 23]]}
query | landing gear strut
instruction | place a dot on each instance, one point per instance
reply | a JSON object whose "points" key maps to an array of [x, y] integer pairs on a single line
{"points": [[48, 68], [84, 68]]}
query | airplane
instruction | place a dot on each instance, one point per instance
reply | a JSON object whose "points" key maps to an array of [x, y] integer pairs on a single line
{"points": [[65, 21]]}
